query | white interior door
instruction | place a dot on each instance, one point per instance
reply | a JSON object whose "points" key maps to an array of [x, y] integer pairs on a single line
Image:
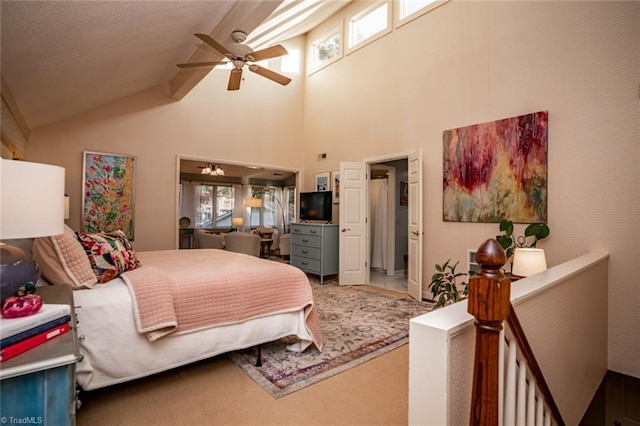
{"points": [[414, 283], [353, 224]]}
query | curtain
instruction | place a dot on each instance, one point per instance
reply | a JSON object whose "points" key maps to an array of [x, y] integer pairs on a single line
{"points": [[379, 210]]}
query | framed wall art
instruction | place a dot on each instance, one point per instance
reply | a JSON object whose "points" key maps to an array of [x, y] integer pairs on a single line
{"points": [[108, 193], [497, 170], [323, 181], [404, 193], [335, 186]]}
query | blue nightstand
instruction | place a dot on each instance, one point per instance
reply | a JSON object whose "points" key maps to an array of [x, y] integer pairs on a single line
{"points": [[38, 386]]}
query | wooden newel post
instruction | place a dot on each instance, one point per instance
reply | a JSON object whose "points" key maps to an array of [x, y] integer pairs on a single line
{"points": [[489, 293]]}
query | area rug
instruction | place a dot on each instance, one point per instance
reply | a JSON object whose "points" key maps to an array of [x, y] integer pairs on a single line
{"points": [[357, 324]]}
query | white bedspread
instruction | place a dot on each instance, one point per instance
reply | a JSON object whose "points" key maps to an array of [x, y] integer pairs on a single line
{"points": [[114, 352]]}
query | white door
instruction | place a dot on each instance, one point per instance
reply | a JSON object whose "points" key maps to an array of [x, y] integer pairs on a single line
{"points": [[414, 284], [353, 224]]}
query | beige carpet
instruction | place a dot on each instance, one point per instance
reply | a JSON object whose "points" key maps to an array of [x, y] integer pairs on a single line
{"points": [[217, 392]]}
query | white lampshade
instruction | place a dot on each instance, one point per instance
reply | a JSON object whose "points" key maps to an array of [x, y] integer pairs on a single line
{"points": [[32, 200], [237, 221], [528, 261], [253, 202]]}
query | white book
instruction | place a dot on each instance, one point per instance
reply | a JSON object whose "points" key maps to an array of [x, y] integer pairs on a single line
{"points": [[48, 312]]}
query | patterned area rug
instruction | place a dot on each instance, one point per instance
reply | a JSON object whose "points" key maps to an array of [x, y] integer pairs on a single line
{"points": [[357, 325]]}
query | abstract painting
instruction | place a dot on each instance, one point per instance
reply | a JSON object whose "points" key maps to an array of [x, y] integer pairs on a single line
{"points": [[497, 170], [108, 193]]}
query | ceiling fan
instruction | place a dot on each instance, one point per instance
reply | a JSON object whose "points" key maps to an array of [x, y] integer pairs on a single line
{"points": [[240, 54]]}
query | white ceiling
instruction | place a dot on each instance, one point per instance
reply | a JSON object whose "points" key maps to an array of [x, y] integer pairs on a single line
{"points": [[60, 58]]}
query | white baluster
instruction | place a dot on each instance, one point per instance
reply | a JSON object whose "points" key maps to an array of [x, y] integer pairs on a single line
{"points": [[539, 412], [521, 410], [531, 403], [510, 386], [501, 376], [547, 418]]}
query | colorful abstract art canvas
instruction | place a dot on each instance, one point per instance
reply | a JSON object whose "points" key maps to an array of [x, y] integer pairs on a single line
{"points": [[108, 193], [497, 170]]}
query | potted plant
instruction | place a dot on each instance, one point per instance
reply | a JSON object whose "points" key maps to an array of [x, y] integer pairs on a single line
{"points": [[444, 286]]}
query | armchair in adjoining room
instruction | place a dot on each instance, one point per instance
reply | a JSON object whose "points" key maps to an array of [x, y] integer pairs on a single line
{"points": [[209, 240], [285, 245], [243, 242]]}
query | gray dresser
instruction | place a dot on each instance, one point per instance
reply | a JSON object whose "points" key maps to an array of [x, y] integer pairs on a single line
{"points": [[314, 248]]}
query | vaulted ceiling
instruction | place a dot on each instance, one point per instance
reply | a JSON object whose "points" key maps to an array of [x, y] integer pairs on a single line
{"points": [[60, 58]]}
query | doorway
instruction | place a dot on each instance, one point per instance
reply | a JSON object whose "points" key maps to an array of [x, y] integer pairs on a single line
{"points": [[388, 224]]}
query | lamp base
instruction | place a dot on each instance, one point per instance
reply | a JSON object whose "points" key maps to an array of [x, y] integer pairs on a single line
{"points": [[17, 268]]}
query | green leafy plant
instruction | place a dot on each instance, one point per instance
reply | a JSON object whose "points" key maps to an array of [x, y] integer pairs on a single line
{"points": [[444, 286], [508, 243]]}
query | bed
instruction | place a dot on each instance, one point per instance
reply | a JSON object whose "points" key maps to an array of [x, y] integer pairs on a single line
{"points": [[173, 307]]}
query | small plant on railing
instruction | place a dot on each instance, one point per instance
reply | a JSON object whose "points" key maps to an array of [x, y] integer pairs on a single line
{"points": [[444, 285]]}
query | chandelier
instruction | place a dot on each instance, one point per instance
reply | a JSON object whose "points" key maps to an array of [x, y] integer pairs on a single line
{"points": [[212, 170]]}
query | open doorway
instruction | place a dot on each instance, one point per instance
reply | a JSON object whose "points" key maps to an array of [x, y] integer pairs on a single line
{"points": [[388, 224]]}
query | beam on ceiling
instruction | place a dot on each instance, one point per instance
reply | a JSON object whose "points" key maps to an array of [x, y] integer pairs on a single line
{"points": [[245, 16]]}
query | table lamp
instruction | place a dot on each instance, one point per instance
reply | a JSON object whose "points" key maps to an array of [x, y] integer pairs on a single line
{"points": [[31, 205], [237, 222], [528, 261]]}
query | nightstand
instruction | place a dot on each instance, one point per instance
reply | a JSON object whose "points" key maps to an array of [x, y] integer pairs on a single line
{"points": [[38, 386]]}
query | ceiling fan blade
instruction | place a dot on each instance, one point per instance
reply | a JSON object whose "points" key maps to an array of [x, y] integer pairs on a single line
{"points": [[199, 64], [271, 75], [211, 42], [234, 79], [268, 53]]}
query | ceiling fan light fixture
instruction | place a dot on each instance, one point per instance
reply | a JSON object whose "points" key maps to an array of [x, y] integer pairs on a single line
{"points": [[239, 54]]}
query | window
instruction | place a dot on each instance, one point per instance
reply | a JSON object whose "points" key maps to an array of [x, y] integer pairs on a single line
{"points": [[278, 204], [368, 23], [326, 50], [410, 9], [210, 205]]}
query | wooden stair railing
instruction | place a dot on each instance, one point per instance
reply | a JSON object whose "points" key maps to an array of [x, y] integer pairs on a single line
{"points": [[489, 302]]}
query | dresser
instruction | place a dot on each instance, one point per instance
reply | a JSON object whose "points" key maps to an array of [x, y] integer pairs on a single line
{"points": [[38, 386], [314, 248]]}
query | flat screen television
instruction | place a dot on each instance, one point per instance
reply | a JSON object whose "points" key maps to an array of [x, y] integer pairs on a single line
{"points": [[316, 206]]}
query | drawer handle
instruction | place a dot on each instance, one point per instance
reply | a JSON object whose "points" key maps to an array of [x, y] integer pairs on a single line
{"points": [[313, 231], [305, 241], [305, 251], [305, 263], [296, 229]]}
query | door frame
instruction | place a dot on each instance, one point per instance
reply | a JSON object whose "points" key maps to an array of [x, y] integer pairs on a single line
{"points": [[404, 155], [298, 174]]}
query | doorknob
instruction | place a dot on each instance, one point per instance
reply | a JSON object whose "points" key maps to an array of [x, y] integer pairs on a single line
{"points": [[345, 229], [415, 233]]}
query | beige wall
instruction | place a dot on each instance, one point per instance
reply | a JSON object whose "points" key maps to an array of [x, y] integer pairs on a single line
{"points": [[260, 124], [465, 63], [472, 62]]}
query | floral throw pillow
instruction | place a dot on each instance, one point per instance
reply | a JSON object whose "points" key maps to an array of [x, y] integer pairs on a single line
{"points": [[109, 254]]}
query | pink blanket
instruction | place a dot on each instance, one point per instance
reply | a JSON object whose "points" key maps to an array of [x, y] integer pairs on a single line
{"points": [[181, 291]]}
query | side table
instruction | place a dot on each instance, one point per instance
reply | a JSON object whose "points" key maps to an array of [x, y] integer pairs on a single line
{"points": [[38, 386]]}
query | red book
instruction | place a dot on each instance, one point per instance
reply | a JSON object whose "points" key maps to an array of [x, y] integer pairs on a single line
{"points": [[20, 347]]}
